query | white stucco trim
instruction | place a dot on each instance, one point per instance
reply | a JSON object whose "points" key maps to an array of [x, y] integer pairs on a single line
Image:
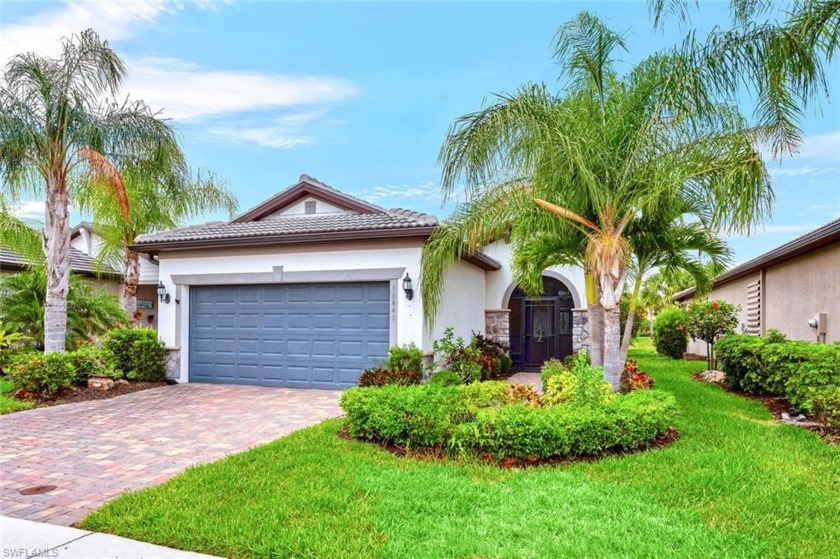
{"points": [[551, 274]]}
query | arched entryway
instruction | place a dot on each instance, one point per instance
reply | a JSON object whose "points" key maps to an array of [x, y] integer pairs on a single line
{"points": [[540, 328]]}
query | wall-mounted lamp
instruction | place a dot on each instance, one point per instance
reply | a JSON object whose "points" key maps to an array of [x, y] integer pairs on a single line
{"points": [[163, 296], [409, 292]]}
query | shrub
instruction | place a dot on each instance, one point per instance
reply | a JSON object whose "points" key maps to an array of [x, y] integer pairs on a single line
{"points": [[552, 368], [775, 336], [43, 375], [709, 321], [799, 371], [445, 378], [408, 359], [634, 379], [482, 359], [669, 332], [380, 376], [93, 360], [10, 343], [826, 405], [497, 419], [138, 353], [518, 431], [582, 384]]}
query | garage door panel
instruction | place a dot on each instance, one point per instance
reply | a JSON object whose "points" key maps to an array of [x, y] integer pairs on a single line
{"points": [[320, 335]]}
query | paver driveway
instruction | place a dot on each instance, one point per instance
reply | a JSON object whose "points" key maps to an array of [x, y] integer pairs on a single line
{"points": [[93, 451]]}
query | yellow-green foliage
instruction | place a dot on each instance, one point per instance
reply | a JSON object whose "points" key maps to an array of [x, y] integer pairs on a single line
{"points": [[583, 383]]}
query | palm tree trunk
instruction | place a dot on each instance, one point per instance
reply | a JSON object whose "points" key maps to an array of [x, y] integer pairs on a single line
{"points": [[131, 279], [595, 318], [57, 251], [631, 318], [613, 363]]}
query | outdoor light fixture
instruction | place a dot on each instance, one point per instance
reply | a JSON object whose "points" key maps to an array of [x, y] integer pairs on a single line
{"points": [[409, 292], [163, 296]]}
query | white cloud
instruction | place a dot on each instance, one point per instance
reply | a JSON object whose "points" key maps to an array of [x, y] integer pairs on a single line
{"points": [[285, 132], [29, 209], [426, 191], [821, 146], [182, 90], [188, 92]]}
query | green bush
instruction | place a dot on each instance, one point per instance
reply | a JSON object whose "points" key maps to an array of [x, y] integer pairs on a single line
{"points": [[481, 359], [582, 384], [501, 420], [43, 375], [138, 353], [826, 404], [11, 343], [445, 378], [518, 431], [799, 371], [92, 360], [670, 336], [403, 366]]}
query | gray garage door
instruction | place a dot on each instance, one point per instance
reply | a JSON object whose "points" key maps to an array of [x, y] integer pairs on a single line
{"points": [[303, 336]]}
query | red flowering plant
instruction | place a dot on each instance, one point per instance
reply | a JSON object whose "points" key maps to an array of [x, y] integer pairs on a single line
{"points": [[634, 379], [711, 320]]}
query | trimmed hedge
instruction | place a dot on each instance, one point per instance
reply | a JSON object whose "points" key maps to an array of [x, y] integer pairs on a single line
{"points": [[502, 420], [803, 372], [516, 431], [43, 375]]}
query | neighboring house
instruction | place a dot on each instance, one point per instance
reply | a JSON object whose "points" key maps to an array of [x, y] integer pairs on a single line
{"points": [[84, 238], [794, 288], [313, 285], [80, 264]]}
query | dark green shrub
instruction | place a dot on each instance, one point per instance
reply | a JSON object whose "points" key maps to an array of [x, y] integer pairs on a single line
{"points": [[799, 371], [518, 431], [502, 420], [670, 336], [775, 336], [826, 405], [407, 358], [445, 378], [93, 360], [482, 359], [43, 375], [506, 363], [138, 353]]}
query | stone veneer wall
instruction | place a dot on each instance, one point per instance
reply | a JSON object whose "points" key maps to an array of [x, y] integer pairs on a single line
{"points": [[173, 362], [580, 330], [497, 325]]}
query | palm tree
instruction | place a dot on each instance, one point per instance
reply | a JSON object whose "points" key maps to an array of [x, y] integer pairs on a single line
{"points": [[58, 120], [595, 157], [780, 64], [159, 198]]}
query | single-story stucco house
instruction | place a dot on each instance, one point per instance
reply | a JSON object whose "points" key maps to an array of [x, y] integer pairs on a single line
{"points": [[794, 288], [313, 285], [85, 239]]}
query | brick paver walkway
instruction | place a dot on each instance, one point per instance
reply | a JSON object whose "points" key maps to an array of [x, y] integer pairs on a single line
{"points": [[93, 451]]}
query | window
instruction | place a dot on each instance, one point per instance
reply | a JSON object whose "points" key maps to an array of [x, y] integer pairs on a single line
{"points": [[753, 325], [309, 207]]}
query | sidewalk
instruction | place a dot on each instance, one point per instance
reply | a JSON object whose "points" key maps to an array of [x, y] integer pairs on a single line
{"points": [[24, 539]]}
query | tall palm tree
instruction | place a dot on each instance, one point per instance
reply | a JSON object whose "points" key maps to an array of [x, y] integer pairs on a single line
{"points": [[59, 118], [159, 198], [606, 150]]}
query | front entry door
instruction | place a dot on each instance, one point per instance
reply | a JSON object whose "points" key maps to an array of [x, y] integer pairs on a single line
{"points": [[546, 331]]}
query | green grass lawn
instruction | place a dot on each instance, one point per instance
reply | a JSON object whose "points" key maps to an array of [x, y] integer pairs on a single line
{"points": [[736, 484], [9, 404]]}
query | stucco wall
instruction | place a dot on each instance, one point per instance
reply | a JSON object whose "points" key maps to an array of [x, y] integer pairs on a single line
{"points": [[735, 293], [462, 302], [801, 288], [174, 317], [500, 282]]}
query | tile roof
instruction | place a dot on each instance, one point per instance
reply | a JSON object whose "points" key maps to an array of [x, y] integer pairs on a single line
{"points": [[80, 263], [297, 225], [819, 237]]}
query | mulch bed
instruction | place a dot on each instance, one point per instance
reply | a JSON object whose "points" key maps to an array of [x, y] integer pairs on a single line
{"points": [[438, 455], [74, 394], [777, 405]]}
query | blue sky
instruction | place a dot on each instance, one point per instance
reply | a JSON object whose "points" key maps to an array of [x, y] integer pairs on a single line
{"points": [[360, 95]]}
